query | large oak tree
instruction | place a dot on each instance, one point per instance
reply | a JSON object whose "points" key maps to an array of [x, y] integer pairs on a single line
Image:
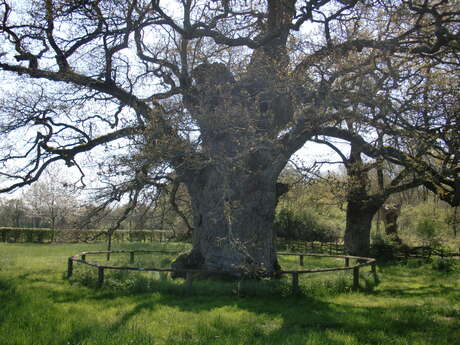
{"points": [[216, 94]]}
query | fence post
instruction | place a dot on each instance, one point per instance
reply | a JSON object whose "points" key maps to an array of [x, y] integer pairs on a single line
{"points": [[131, 257], [69, 267], [188, 283], [83, 257], [347, 262], [301, 260], [100, 276], [355, 278], [295, 283]]}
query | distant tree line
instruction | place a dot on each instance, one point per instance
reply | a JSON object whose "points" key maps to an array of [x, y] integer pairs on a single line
{"points": [[54, 204], [314, 208]]}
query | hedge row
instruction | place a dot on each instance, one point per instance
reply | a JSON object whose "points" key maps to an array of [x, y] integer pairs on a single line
{"points": [[25, 234], [43, 235]]}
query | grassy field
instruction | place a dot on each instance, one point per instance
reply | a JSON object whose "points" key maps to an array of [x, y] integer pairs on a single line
{"points": [[414, 304]]}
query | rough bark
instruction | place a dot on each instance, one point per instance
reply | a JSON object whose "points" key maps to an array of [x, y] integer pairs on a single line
{"points": [[233, 186], [361, 207], [358, 227], [233, 214]]}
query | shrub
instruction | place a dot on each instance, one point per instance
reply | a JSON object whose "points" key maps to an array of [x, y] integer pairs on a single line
{"points": [[426, 231], [302, 226], [444, 264], [382, 248], [8, 234]]}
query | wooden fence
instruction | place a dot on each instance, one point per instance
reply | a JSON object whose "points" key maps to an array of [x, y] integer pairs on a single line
{"points": [[359, 263], [311, 246], [383, 251]]}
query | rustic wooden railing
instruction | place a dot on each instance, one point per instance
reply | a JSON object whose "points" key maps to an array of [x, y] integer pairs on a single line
{"points": [[395, 252], [360, 262]]}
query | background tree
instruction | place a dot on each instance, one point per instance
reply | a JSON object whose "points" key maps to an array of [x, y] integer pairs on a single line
{"points": [[403, 127], [52, 201], [13, 213]]}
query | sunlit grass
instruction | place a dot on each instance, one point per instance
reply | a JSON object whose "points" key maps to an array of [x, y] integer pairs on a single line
{"points": [[411, 305]]}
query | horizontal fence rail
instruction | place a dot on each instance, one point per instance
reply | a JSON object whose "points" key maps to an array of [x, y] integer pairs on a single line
{"points": [[396, 252], [360, 262]]}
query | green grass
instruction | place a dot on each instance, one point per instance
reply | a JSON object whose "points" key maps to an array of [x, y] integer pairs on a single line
{"points": [[413, 304]]}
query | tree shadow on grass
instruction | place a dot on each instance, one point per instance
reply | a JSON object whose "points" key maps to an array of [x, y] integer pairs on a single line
{"points": [[301, 318], [266, 319], [430, 291], [334, 323], [301, 315]]}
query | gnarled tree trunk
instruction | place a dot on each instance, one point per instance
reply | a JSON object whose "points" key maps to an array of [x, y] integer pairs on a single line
{"points": [[358, 227], [361, 207], [233, 214], [232, 184]]}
